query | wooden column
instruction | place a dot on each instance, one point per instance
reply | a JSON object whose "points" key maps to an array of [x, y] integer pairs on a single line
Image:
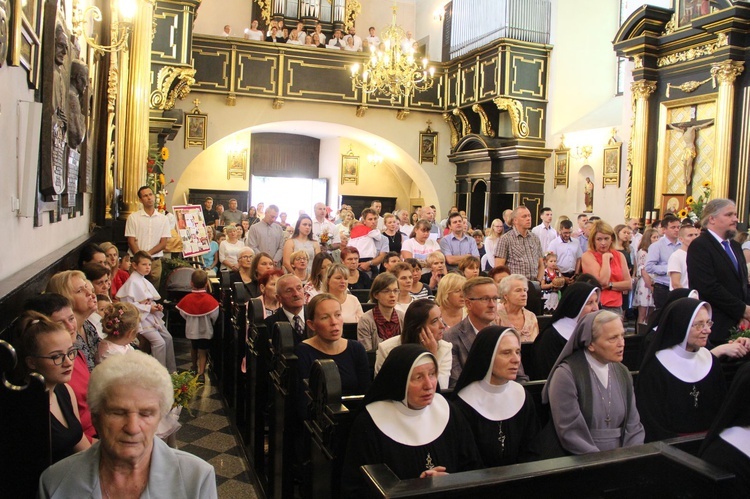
{"points": [[724, 73], [641, 90]]}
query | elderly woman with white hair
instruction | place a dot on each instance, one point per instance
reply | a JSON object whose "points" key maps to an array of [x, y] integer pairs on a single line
{"points": [[128, 395], [590, 391], [514, 293]]}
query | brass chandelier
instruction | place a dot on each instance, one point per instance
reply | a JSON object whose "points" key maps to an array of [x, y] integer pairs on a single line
{"points": [[392, 69]]}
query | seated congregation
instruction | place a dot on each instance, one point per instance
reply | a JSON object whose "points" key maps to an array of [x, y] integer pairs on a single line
{"points": [[340, 359]]}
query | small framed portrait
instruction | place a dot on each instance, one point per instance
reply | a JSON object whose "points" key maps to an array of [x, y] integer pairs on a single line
{"points": [[672, 203], [611, 164], [24, 36], [687, 10], [428, 147], [195, 130], [237, 164], [562, 165], [349, 169]]}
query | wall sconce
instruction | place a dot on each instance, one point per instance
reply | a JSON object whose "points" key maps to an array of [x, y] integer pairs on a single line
{"points": [[584, 151], [120, 29], [375, 160]]}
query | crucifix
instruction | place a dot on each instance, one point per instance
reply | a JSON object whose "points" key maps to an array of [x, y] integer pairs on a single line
{"points": [[695, 394], [689, 131]]}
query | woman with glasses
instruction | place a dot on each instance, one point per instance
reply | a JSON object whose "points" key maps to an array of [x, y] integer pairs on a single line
{"points": [[680, 386], [423, 325], [45, 347], [383, 321]]}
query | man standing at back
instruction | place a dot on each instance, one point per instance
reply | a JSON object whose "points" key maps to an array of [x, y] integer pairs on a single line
{"points": [[266, 235], [544, 231], [322, 224], [209, 214], [148, 230], [658, 258], [519, 249], [457, 245], [378, 207], [232, 215], [717, 269], [567, 250]]}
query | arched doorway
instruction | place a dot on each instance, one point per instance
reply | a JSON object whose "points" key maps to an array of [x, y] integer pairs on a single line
{"points": [[478, 210]]}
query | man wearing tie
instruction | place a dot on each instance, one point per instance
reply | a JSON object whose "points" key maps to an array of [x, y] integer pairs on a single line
{"points": [[717, 269], [290, 294]]}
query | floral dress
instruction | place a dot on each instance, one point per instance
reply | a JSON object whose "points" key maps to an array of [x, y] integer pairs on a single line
{"points": [[643, 296]]}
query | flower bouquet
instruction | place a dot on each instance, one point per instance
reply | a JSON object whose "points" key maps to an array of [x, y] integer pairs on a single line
{"points": [[185, 385], [739, 331], [694, 207]]}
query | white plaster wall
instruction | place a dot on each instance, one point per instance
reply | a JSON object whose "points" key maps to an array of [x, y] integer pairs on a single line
{"points": [[380, 131], [330, 167], [23, 244], [583, 106], [428, 27], [214, 14]]}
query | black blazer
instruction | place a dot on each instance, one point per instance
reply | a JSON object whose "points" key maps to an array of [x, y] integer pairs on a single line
{"points": [[711, 273], [280, 316]]}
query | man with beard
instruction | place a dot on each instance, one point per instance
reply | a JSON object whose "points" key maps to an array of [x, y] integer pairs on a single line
{"points": [[718, 271], [568, 251]]}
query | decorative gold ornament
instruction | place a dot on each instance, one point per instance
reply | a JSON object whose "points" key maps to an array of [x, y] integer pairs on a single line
{"points": [[265, 10], [688, 86], [519, 127], [486, 126], [352, 9], [172, 83], [120, 29], [638, 62], [448, 118], [693, 52], [671, 26], [277, 104], [402, 114], [393, 71], [231, 100], [465, 125], [361, 111], [726, 71], [642, 89]]}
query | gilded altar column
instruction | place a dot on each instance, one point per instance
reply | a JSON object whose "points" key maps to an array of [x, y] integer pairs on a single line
{"points": [[641, 90], [724, 73], [135, 136]]}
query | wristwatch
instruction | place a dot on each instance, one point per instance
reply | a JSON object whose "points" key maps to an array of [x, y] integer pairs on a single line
{"points": [[610, 285]]}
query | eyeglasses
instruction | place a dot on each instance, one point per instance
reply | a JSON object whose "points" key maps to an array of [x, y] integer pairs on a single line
{"points": [[58, 359], [485, 299], [245, 257], [390, 291], [700, 326]]}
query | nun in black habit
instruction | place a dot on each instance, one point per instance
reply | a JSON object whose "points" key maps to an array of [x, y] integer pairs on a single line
{"points": [[727, 443], [578, 300], [500, 412], [680, 385], [407, 425]]}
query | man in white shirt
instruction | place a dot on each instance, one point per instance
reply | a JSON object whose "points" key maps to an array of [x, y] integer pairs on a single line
{"points": [[336, 40], [428, 213], [148, 230], [301, 33], [357, 40], [378, 206], [677, 263], [373, 40], [637, 236], [544, 231], [404, 226], [567, 250], [321, 224], [319, 30], [366, 238], [227, 31]]}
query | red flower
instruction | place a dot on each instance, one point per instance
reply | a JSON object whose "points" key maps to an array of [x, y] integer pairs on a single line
{"points": [[184, 388]]}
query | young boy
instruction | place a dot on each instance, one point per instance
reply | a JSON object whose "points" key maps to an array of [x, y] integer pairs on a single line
{"points": [[141, 293], [200, 311], [677, 263]]}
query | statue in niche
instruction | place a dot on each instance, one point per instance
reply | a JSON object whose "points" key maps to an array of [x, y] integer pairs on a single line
{"points": [[588, 196], [79, 82], [689, 134]]}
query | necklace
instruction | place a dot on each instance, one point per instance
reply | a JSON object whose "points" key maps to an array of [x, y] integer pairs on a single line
{"points": [[695, 394], [501, 437], [428, 465], [608, 402]]}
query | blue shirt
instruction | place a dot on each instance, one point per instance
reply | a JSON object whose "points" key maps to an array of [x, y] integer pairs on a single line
{"points": [[658, 256], [451, 245]]}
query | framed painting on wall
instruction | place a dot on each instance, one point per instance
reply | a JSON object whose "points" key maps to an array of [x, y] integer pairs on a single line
{"points": [[562, 166], [195, 130], [237, 164], [612, 164], [672, 203], [25, 35], [428, 146], [349, 169]]}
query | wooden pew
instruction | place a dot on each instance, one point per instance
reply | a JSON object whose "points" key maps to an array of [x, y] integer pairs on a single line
{"points": [[240, 324], [327, 429], [24, 430], [363, 295], [257, 389], [650, 470], [350, 331], [284, 378]]}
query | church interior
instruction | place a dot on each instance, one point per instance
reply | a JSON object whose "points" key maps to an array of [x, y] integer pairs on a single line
{"points": [[623, 109]]}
